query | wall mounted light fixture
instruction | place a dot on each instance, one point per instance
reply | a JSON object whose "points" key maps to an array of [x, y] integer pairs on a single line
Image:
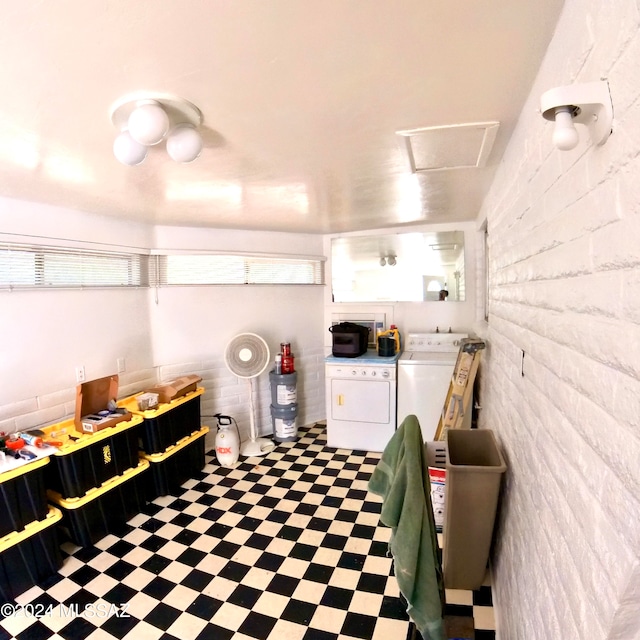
{"points": [[145, 120], [588, 104]]}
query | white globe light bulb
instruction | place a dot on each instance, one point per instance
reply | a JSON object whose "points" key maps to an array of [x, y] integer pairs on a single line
{"points": [[565, 136], [184, 144], [128, 151], [148, 124]]}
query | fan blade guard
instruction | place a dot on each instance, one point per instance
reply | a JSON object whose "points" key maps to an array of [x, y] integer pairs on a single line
{"points": [[247, 355]]}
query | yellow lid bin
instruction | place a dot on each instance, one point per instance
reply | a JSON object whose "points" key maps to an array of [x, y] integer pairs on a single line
{"points": [[105, 509], [168, 423], [29, 556], [179, 463], [23, 497], [85, 461]]}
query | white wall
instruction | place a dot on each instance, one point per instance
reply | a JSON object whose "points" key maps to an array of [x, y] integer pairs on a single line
{"points": [[564, 289], [48, 333], [191, 326]]}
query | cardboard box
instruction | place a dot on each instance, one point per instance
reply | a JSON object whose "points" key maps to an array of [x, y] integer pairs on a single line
{"points": [[436, 453], [437, 479], [93, 397], [168, 391]]}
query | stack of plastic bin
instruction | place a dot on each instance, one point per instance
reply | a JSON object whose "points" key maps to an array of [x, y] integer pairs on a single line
{"points": [[95, 479], [284, 406], [29, 551], [171, 440]]}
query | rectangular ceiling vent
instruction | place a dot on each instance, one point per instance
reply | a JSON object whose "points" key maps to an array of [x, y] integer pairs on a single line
{"points": [[455, 146]]}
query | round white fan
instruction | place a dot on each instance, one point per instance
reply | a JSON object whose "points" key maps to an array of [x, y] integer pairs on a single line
{"points": [[247, 356]]}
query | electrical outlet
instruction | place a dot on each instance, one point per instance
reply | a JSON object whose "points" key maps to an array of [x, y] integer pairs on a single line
{"points": [[80, 374], [122, 367]]}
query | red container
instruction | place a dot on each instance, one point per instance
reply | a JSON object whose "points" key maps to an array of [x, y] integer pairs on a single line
{"points": [[287, 364], [285, 348]]}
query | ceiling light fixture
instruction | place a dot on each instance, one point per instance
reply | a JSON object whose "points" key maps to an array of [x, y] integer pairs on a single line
{"points": [[145, 120], [588, 104]]}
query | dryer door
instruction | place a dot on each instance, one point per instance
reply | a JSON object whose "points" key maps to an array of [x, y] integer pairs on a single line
{"points": [[361, 401]]}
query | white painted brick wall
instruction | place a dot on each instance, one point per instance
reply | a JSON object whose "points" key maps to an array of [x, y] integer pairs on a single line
{"points": [[564, 287], [224, 393], [229, 395], [60, 405]]}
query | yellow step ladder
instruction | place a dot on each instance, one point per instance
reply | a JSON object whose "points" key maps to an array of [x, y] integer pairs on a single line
{"points": [[460, 394]]}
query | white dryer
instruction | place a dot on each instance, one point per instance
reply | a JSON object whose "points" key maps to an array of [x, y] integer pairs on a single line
{"points": [[361, 401], [425, 369]]}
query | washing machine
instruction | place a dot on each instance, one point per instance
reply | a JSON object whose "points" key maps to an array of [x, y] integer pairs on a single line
{"points": [[425, 369]]}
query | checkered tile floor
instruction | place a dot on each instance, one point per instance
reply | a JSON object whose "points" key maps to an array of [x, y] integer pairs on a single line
{"points": [[283, 547]]}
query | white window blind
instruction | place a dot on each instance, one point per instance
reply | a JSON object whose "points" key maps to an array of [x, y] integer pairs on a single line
{"points": [[25, 266], [33, 266], [212, 269]]}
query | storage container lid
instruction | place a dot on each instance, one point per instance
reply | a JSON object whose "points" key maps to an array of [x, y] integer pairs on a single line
{"points": [[92, 494], [174, 448], [37, 526]]}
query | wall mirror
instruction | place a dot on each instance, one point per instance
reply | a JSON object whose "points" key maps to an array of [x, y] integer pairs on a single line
{"points": [[399, 267]]}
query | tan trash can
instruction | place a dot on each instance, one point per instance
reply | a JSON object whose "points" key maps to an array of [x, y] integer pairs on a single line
{"points": [[474, 472]]}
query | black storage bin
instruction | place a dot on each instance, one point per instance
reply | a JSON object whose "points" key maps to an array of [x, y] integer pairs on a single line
{"points": [[30, 556], [168, 423], [179, 463], [23, 496], [86, 461], [104, 510]]}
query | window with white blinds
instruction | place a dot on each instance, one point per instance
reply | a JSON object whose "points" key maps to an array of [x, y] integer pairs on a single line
{"points": [[217, 269], [36, 267], [42, 267]]}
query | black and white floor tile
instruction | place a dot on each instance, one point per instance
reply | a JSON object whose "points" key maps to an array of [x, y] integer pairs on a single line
{"points": [[283, 547]]}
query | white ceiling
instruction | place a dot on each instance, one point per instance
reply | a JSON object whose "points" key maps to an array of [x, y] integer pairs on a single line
{"points": [[301, 102]]}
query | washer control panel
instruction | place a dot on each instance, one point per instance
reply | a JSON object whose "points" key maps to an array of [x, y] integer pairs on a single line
{"points": [[437, 341]]}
